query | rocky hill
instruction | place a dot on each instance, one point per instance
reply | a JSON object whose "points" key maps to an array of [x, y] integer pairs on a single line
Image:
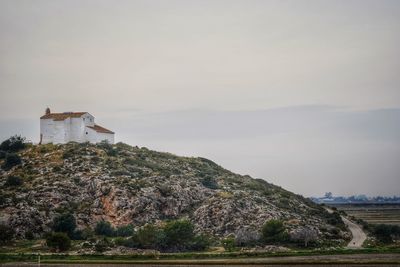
{"points": [[130, 185]]}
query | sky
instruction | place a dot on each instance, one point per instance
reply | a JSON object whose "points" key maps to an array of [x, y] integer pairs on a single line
{"points": [[304, 94]]}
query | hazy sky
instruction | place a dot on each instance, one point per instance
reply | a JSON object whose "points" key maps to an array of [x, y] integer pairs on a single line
{"points": [[304, 94]]}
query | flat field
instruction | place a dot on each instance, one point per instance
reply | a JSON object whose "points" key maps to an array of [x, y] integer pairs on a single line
{"points": [[373, 213]]}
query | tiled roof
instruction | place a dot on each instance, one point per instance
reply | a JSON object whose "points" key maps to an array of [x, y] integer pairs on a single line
{"points": [[63, 116], [100, 129]]}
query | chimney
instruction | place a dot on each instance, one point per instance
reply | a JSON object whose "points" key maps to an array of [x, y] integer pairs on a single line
{"points": [[47, 111]]}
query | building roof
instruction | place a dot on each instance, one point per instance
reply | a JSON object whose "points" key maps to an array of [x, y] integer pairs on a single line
{"points": [[63, 116], [100, 129]]}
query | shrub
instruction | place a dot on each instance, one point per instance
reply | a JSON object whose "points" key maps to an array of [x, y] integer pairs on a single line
{"points": [[13, 144], [102, 245], [149, 236], [125, 230], [228, 244], [11, 160], [2, 154], [13, 181], [385, 232], [58, 241], [104, 228], [200, 242], [6, 233], [179, 234], [209, 182], [274, 231], [65, 223], [29, 235]]}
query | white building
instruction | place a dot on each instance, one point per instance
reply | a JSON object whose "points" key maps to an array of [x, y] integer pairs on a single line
{"points": [[61, 128]]}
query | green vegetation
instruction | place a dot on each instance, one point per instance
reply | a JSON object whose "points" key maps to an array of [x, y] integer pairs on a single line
{"points": [[274, 231], [385, 233], [65, 223], [104, 228], [6, 233], [13, 181], [10, 161], [13, 144], [58, 241]]}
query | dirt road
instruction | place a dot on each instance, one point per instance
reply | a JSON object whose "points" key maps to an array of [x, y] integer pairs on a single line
{"points": [[359, 235], [357, 232]]}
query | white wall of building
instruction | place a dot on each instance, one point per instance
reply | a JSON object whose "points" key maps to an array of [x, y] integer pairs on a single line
{"points": [[72, 130]]}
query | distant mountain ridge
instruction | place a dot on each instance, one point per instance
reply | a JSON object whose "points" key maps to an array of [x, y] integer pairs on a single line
{"points": [[131, 185]]}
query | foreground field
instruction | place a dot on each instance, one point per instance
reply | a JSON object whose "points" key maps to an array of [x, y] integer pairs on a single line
{"points": [[380, 256], [373, 213]]}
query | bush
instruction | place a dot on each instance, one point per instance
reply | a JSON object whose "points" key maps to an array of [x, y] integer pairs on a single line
{"points": [[385, 232], [6, 233], [58, 241], [200, 242], [13, 144], [274, 231], [11, 160], [209, 182], [29, 235], [104, 228], [102, 245], [2, 154], [179, 234], [13, 181], [149, 237], [228, 244], [125, 230], [65, 223]]}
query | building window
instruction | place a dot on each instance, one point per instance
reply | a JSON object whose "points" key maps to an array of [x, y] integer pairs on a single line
{"points": [[86, 132], [83, 119]]}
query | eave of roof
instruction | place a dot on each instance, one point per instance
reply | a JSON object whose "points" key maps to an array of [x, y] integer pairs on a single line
{"points": [[100, 129]]}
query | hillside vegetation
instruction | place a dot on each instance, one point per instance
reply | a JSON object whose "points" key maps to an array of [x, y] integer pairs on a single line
{"points": [[123, 186]]}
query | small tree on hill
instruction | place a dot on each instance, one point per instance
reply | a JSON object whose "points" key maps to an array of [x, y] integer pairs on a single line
{"points": [[179, 234], [104, 228], [11, 160], [13, 144], [65, 223], [274, 231], [58, 241]]}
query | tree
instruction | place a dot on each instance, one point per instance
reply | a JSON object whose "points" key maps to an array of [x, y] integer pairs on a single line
{"points": [[58, 241], [149, 236], [304, 235], [228, 244], [104, 228], [6, 233], [125, 230], [179, 234], [200, 242], [13, 181], [11, 160], [385, 232], [13, 144], [274, 231], [64, 223]]}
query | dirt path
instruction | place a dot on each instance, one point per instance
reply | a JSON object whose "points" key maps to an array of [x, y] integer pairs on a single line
{"points": [[357, 232], [359, 235]]}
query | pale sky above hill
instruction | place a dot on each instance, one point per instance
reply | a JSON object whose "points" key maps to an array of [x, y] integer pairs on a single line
{"points": [[305, 94]]}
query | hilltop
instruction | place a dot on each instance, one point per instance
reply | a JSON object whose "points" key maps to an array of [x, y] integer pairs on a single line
{"points": [[124, 184]]}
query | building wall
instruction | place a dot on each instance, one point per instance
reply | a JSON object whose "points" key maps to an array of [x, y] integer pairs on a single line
{"points": [[52, 131], [105, 136]]}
